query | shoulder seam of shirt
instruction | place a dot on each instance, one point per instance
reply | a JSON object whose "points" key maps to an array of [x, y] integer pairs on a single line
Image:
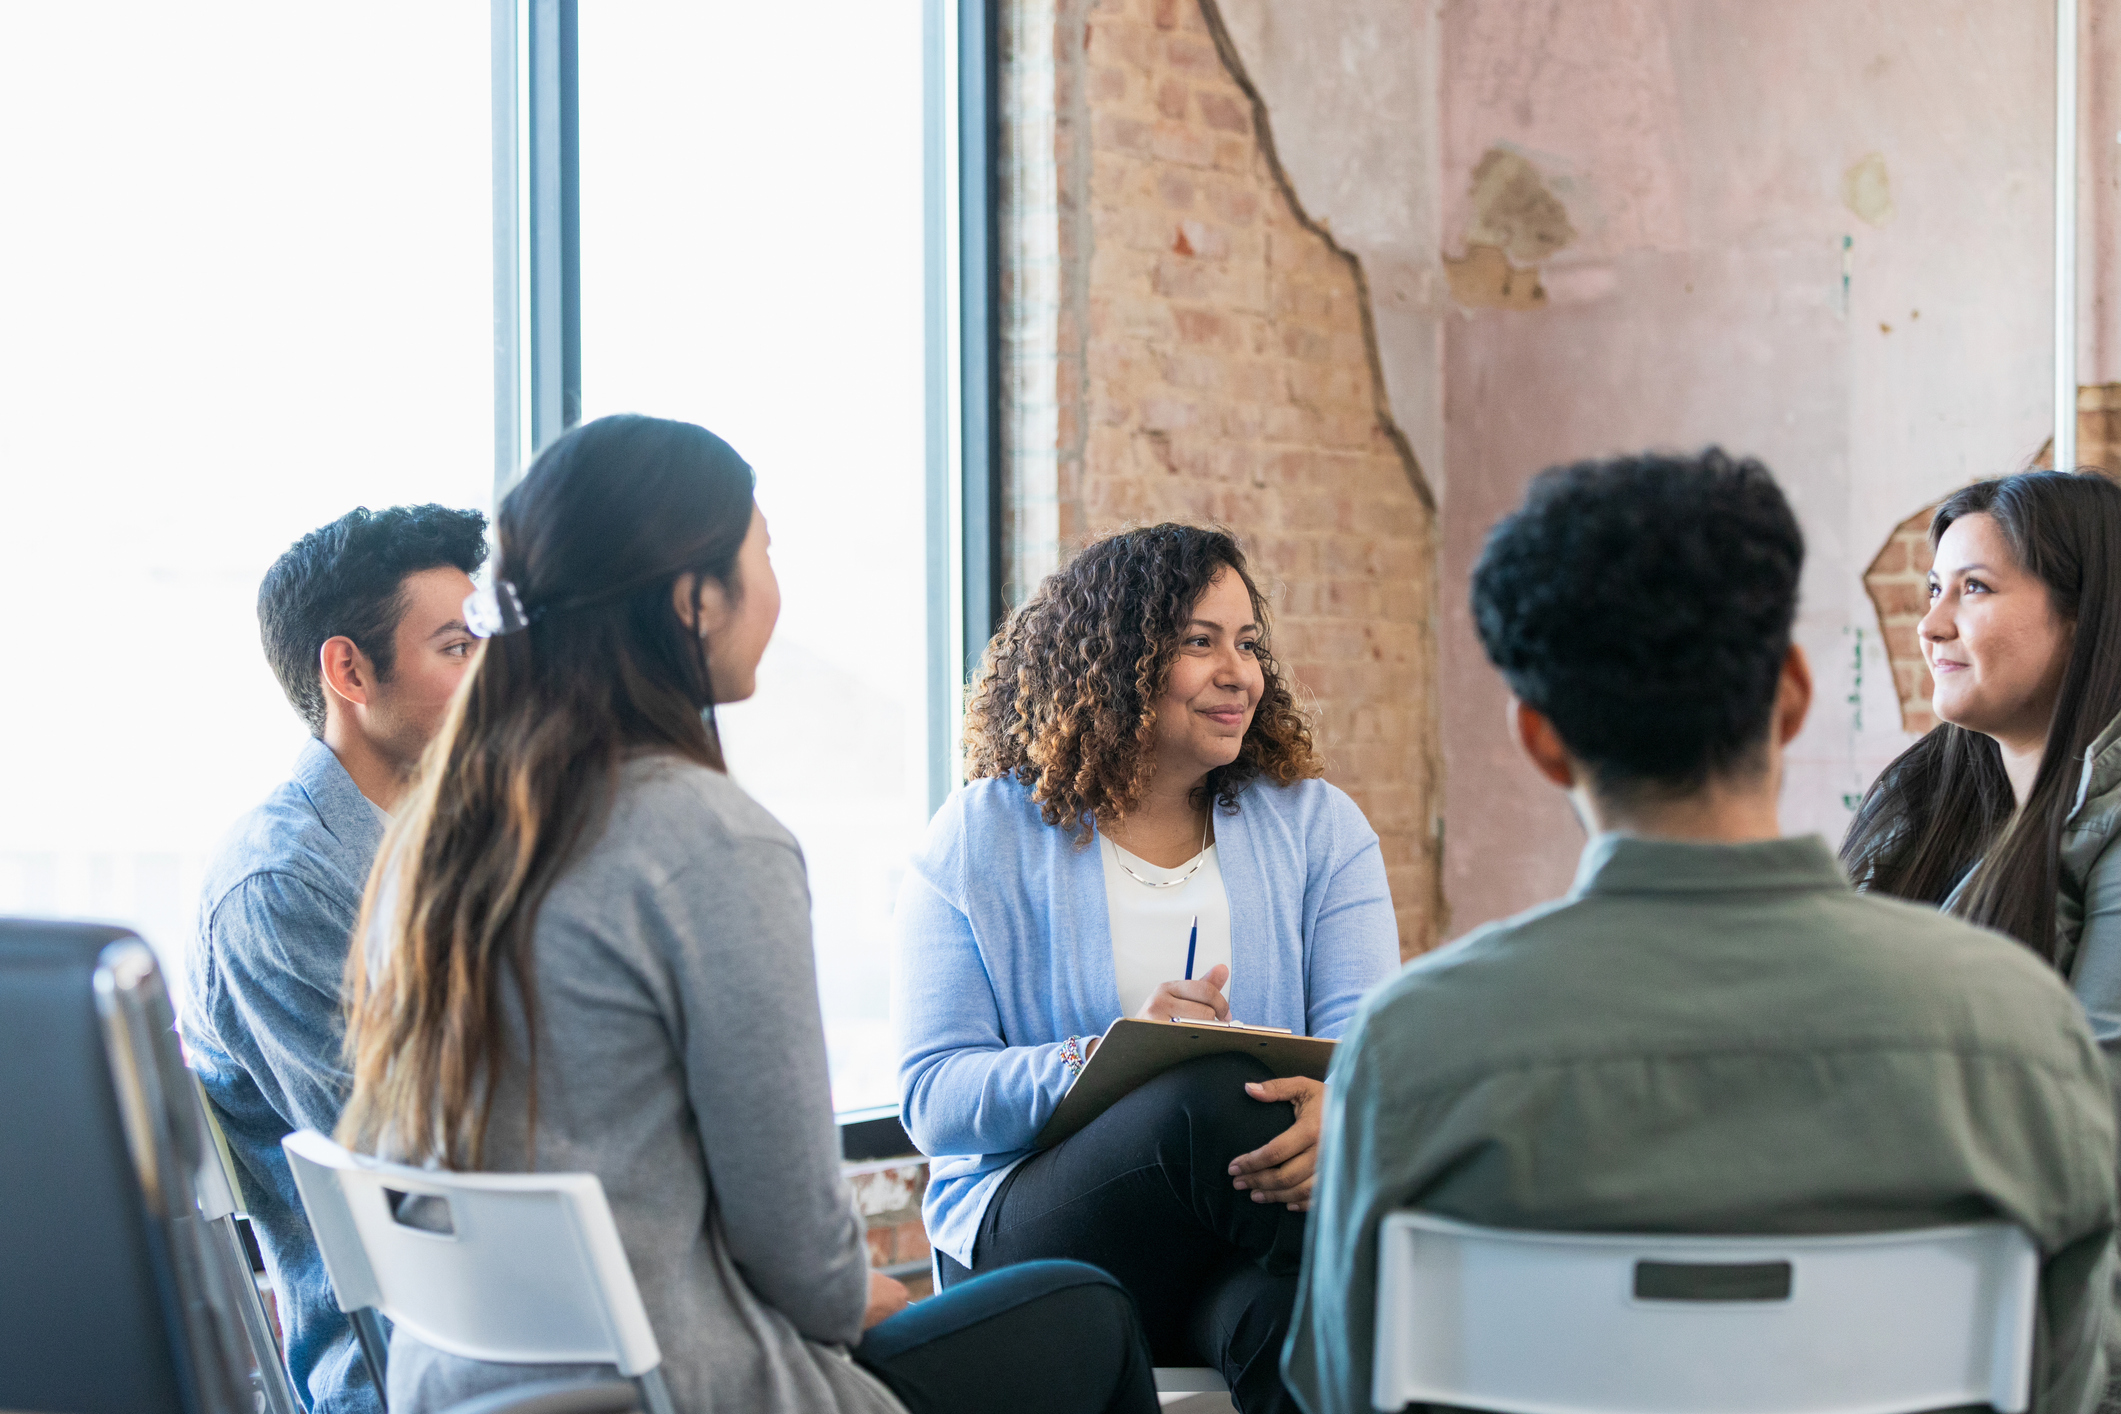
{"points": [[785, 843], [1468, 1078], [1542, 914], [278, 869], [784, 846], [690, 775]]}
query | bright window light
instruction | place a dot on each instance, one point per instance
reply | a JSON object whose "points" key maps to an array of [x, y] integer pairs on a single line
{"points": [[751, 208], [246, 286]]}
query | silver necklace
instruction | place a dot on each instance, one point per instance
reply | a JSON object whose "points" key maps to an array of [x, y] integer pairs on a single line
{"points": [[1191, 869]]}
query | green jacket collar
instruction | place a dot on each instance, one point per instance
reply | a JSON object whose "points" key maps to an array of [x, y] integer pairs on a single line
{"points": [[1630, 864]]}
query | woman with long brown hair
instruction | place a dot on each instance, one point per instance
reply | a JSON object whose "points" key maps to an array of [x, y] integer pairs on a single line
{"points": [[1145, 833], [586, 949], [2006, 812]]}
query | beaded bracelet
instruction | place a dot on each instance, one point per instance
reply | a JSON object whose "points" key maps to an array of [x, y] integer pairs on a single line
{"points": [[1072, 1057]]}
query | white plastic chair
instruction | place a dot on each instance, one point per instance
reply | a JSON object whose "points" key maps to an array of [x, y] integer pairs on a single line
{"points": [[529, 1272], [1582, 1323], [1177, 1382]]}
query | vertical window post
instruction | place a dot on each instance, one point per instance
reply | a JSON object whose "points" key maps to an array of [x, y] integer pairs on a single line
{"points": [[555, 225], [537, 231], [940, 298], [509, 432], [978, 61], [2065, 457], [965, 567]]}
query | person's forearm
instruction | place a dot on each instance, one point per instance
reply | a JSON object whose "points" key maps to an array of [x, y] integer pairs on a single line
{"points": [[984, 1100], [817, 1273]]}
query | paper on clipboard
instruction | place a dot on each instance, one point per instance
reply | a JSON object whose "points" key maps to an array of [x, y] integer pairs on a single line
{"points": [[1137, 1050]]}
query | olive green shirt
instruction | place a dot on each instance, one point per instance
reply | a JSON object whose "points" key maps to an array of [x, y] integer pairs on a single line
{"points": [[1717, 1039]]}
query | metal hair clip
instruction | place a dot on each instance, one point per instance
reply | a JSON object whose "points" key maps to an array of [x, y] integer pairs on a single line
{"points": [[495, 610]]}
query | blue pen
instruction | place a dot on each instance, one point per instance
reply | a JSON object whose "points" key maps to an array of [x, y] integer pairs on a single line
{"points": [[1192, 938]]}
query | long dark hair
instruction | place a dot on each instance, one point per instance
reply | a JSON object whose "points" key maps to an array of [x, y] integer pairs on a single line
{"points": [[1066, 696], [1944, 807], [524, 769]]}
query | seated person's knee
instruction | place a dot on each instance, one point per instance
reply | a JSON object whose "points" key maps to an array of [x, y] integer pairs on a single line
{"points": [[1211, 1093]]}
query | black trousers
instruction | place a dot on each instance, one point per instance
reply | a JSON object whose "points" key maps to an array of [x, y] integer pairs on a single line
{"points": [[1041, 1338], [1144, 1193]]}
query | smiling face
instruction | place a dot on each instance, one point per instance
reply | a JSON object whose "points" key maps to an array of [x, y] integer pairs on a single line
{"points": [[1214, 686], [1993, 641]]}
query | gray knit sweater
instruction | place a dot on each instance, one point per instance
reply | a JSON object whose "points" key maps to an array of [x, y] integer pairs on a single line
{"points": [[681, 1059]]}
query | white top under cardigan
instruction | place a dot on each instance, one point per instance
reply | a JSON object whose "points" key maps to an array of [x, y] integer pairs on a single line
{"points": [[1150, 925], [1005, 953]]}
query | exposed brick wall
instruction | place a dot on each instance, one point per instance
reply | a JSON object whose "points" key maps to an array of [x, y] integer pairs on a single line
{"points": [[2098, 431], [1898, 583], [1224, 372], [887, 1193]]}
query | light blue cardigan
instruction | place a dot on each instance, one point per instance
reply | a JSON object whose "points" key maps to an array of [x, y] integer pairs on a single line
{"points": [[1004, 953]]}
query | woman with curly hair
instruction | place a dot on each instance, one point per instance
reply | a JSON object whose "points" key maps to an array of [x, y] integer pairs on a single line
{"points": [[1139, 770]]}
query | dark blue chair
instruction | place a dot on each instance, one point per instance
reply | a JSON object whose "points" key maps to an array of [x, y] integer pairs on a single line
{"points": [[120, 1293], [124, 1288]]}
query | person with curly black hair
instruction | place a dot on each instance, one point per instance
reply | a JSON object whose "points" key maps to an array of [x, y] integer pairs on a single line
{"points": [[1713, 1032], [1145, 832]]}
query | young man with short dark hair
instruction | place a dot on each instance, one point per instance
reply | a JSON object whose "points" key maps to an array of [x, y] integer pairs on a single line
{"points": [[363, 624], [1712, 1033]]}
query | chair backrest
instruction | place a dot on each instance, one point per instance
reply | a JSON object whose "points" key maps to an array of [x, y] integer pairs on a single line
{"points": [[1584, 1323], [120, 1292], [512, 1268]]}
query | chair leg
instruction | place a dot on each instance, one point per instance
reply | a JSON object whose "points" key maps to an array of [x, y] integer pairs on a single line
{"points": [[278, 1390], [375, 1349], [655, 1395]]}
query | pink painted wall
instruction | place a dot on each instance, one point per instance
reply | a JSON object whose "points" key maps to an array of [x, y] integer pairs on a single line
{"points": [[1699, 148]]}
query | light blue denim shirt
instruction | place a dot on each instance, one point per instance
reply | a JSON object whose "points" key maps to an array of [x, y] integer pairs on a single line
{"points": [[260, 1017], [1005, 952]]}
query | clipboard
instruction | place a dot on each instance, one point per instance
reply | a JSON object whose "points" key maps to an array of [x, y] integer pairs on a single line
{"points": [[1137, 1050]]}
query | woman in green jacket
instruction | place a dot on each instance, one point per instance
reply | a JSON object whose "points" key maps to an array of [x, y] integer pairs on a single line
{"points": [[2005, 814]]}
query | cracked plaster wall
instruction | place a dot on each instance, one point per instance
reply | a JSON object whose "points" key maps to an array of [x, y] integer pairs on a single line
{"points": [[1352, 88], [1814, 232]]}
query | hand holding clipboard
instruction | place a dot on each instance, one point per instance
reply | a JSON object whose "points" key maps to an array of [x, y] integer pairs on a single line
{"points": [[1138, 1048], [1187, 999]]}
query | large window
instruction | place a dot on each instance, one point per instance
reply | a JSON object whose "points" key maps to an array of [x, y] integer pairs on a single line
{"points": [[752, 237], [245, 286], [268, 262]]}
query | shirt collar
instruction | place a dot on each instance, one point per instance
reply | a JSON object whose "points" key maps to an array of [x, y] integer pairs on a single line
{"points": [[1630, 864], [351, 817]]}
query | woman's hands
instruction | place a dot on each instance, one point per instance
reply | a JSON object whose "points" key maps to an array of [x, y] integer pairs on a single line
{"points": [[1201, 999], [1281, 1170], [886, 1299]]}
